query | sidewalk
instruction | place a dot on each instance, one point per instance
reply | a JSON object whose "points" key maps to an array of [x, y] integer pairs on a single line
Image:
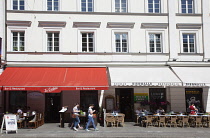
{"points": [[129, 130]]}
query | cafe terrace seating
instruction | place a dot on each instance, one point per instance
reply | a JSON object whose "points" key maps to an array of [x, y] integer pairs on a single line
{"points": [[114, 119], [176, 120]]}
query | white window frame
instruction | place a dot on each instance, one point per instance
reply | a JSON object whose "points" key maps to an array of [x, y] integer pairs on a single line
{"points": [[10, 35], [59, 5], [155, 43], [53, 30], [127, 6], [114, 43], [18, 5], [79, 48], [194, 7], [53, 46], [161, 6], [154, 7], [162, 32], [197, 49], [18, 41], [80, 7]]}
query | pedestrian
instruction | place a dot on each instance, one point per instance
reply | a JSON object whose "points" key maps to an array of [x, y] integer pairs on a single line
{"points": [[75, 116], [90, 118]]}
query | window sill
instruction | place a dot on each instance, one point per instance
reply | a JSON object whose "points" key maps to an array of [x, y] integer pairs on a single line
{"points": [[188, 14], [189, 54]]}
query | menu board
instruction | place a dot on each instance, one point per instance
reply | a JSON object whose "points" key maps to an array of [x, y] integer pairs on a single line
{"points": [[10, 121], [140, 97]]}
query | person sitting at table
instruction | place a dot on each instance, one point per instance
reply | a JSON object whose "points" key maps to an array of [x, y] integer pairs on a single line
{"points": [[116, 110], [193, 109], [160, 110], [19, 110]]}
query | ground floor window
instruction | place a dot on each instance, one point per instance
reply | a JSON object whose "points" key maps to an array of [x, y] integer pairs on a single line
{"points": [[194, 96], [157, 98], [17, 99], [88, 97]]}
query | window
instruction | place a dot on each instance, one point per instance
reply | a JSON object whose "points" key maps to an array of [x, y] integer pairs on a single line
{"points": [[155, 43], [52, 5], [18, 39], [87, 5], [87, 42], [187, 6], [120, 5], [18, 4], [188, 42], [154, 6], [121, 42], [52, 41]]}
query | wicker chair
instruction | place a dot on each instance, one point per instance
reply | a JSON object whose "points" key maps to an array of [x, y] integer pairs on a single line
{"points": [[111, 120], [173, 121], [147, 121], [198, 121], [162, 120], [120, 119], [19, 121], [34, 122]]}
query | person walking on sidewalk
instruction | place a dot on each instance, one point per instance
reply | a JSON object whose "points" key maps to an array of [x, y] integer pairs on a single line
{"points": [[90, 118], [76, 118]]}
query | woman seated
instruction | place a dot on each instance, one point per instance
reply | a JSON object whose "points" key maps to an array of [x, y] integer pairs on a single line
{"points": [[160, 110], [193, 109]]}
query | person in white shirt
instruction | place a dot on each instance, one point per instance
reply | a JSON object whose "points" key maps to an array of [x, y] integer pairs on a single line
{"points": [[90, 118], [19, 111], [76, 118]]}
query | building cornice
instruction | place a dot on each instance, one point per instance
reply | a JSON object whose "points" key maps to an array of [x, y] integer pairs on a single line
{"points": [[188, 14], [52, 24], [155, 25], [120, 25], [18, 23], [87, 13], [86, 24], [188, 26]]}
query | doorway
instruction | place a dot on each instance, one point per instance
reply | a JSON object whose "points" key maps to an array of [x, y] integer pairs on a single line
{"points": [[125, 102], [52, 107]]}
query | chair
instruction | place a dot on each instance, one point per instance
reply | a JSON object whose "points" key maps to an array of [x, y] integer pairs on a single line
{"points": [[34, 122], [185, 121], [39, 119], [192, 121], [19, 121], [147, 121], [120, 119], [198, 121], [162, 120], [110, 119], [205, 121], [173, 121]]}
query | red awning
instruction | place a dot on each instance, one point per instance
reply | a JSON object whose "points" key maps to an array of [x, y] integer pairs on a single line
{"points": [[52, 79]]}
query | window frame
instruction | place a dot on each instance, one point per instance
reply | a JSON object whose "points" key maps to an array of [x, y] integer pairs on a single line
{"points": [[18, 7], [88, 43], [79, 48], [197, 48], [114, 7], [194, 7], [161, 7], [153, 2], [18, 40], [188, 43], [114, 40], [93, 6], [155, 43], [59, 5], [53, 47]]}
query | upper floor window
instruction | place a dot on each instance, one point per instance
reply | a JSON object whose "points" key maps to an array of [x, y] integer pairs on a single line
{"points": [[121, 42], [52, 5], [18, 40], [121, 6], [52, 41], [88, 42], [18, 5], [154, 6], [155, 43], [188, 43], [87, 5], [187, 6]]}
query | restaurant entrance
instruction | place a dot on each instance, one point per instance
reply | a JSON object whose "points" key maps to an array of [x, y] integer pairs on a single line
{"points": [[52, 107], [125, 102]]}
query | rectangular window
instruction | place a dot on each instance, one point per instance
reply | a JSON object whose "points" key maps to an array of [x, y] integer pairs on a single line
{"points": [[120, 5], [121, 42], [154, 6], [188, 42], [87, 42], [52, 5], [52, 41], [18, 39], [155, 43], [18, 5], [87, 5], [187, 6]]}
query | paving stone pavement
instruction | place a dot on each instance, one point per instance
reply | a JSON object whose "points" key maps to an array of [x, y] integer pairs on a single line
{"points": [[129, 130]]}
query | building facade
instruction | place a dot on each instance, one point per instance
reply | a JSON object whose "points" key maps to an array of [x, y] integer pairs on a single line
{"points": [[146, 53]]}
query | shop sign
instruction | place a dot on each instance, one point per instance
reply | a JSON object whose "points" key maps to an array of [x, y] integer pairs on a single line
{"points": [[195, 84], [14, 88], [10, 121], [140, 97], [146, 84]]}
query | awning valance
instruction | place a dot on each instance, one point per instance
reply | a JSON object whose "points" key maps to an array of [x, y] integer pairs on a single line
{"points": [[193, 76], [52, 79], [143, 76]]}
